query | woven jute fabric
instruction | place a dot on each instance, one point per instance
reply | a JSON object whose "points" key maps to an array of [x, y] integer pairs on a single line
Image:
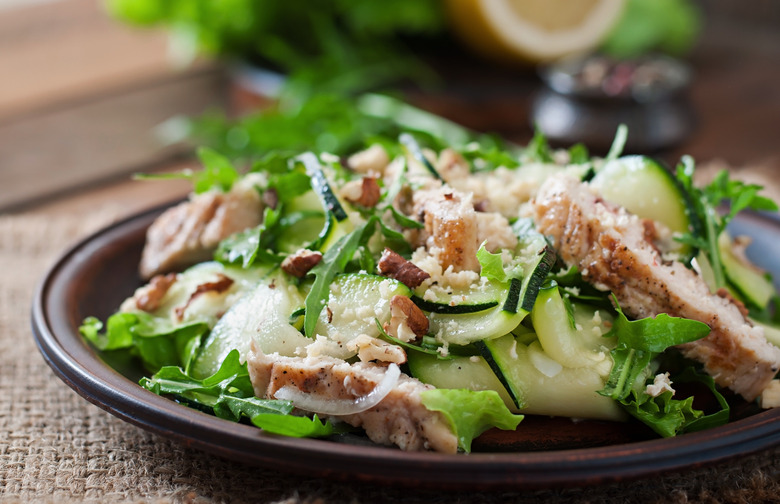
{"points": [[57, 447]]}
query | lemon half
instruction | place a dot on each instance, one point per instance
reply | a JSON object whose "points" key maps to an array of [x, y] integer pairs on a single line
{"points": [[533, 30]]}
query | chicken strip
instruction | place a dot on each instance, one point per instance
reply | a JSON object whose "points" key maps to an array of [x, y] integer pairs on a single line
{"points": [[400, 418], [190, 232], [451, 227], [611, 248]]}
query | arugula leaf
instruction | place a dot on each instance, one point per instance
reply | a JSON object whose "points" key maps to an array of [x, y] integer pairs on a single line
{"points": [[394, 239], [290, 185], [431, 347], [538, 149], [705, 202], [404, 221], [658, 333], [333, 262], [247, 246], [343, 46], [218, 172], [578, 154], [228, 393], [639, 343], [489, 153], [470, 413]]}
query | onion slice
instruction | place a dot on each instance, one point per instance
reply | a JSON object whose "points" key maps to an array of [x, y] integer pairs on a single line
{"points": [[341, 407]]}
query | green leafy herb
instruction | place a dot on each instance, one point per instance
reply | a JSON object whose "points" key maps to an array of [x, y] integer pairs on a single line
{"points": [[705, 202], [156, 341], [639, 342], [228, 393], [490, 153], [404, 221], [654, 25], [218, 172], [470, 413], [426, 346], [492, 265], [294, 426], [342, 46], [248, 246], [578, 154], [538, 149]]}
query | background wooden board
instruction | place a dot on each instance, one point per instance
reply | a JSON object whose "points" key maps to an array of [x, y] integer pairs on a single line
{"points": [[80, 96]]}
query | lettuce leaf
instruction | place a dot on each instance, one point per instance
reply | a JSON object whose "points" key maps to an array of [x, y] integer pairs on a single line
{"points": [[470, 413], [156, 341], [492, 265]]}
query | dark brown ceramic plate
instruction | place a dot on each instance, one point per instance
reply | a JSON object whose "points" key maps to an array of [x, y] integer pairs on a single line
{"points": [[98, 273]]}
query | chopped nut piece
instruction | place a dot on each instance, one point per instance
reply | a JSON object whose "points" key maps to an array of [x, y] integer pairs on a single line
{"points": [[364, 192], [271, 198], [299, 263], [220, 285], [149, 299], [407, 321], [373, 349], [391, 264]]}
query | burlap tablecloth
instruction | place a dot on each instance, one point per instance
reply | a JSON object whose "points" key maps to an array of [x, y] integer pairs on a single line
{"points": [[57, 447]]}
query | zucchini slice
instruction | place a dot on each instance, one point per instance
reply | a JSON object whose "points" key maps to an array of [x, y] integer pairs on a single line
{"points": [[647, 189], [471, 373], [571, 340], [464, 300], [751, 284], [356, 302], [520, 296], [262, 315], [544, 387]]}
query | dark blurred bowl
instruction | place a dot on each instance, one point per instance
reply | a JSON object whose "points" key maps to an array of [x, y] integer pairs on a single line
{"points": [[585, 99]]}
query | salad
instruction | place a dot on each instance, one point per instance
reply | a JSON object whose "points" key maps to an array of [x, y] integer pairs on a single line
{"points": [[437, 283]]}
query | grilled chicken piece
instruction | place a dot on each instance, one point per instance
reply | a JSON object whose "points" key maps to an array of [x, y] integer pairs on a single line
{"points": [[400, 418], [451, 227], [610, 247], [190, 232]]}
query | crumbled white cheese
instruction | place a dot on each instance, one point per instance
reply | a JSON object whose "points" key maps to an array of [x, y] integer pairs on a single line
{"points": [[660, 384]]}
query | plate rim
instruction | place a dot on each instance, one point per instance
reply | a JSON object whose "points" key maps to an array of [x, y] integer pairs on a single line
{"points": [[79, 366]]}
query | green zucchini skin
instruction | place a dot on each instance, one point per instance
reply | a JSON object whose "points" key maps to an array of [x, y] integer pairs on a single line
{"points": [[321, 186], [751, 285], [434, 307], [414, 149], [533, 281], [486, 349]]}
